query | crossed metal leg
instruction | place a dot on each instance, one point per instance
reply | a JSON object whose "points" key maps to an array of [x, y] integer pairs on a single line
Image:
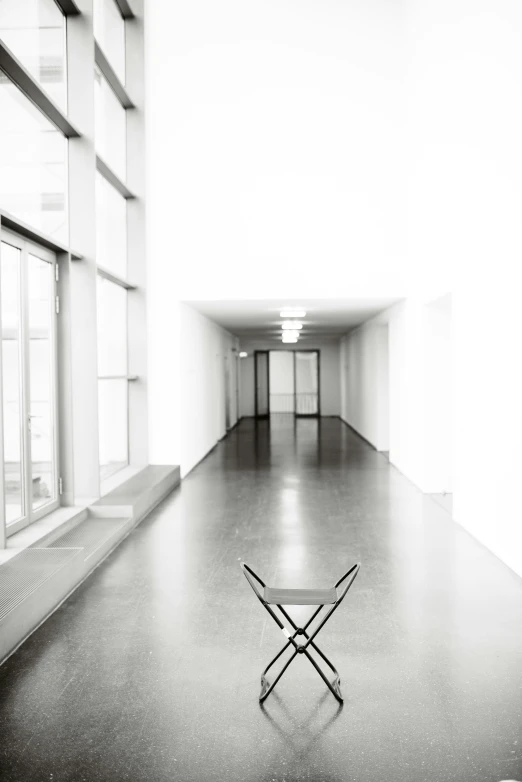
{"points": [[320, 597]]}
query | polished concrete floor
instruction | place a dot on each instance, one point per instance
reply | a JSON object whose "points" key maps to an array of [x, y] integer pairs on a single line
{"points": [[150, 671]]}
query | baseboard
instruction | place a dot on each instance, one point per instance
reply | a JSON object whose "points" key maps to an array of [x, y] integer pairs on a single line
{"points": [[200, 461], [358, 433]]}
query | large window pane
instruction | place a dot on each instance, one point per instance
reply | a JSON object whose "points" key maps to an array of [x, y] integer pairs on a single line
{"points": [[112, 384], [40, 289], [34, 30], [111, 228], [12, 382], [109, 31], [113, 418], [32, 164], [110, 127], [111, 306]]}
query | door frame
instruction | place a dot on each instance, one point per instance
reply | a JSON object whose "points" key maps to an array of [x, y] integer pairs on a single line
{"points": [[267, 353], [294, 351], [28, 247]]}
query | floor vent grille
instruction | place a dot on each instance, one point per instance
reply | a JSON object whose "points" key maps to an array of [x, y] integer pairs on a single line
{"points": [[21, 575]]}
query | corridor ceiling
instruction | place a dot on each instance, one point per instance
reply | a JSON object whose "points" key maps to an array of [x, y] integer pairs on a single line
{"points": [[260, 320]]}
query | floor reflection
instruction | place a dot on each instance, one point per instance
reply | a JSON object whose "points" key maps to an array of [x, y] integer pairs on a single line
{"points": [[302, 731]]}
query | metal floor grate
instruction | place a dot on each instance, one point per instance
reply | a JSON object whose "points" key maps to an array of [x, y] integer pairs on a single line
{"points": [[21, 575], [28, 570]]}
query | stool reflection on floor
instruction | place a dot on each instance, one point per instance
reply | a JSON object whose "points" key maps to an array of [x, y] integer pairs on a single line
{"points": [[309, 597]]}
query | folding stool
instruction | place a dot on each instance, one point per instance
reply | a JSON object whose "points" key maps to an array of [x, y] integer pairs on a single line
{"points": [[309, 597]]}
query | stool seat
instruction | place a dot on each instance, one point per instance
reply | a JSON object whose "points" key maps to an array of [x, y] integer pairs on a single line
{"points": [[300, 597]]}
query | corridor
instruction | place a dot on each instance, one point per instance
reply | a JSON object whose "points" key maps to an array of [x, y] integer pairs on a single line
{"points": [[150, 670]]}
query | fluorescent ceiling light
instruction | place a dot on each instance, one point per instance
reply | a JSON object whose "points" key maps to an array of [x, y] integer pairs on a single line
{"points": [[243, 354], [291, 334], [288, 339], [292, 324], [289, 313]]}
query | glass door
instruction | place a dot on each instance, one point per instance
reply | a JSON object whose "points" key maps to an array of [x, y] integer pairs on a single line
{"points": [[29, 369], [306, 382]]}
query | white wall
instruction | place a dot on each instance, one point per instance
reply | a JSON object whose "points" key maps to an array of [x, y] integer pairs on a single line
{"points": [[187, 415], [329, 375], [406, 354], [465, 220], [439, 391], [274, 140], [202, 381], [364, 369], [397, 388]]}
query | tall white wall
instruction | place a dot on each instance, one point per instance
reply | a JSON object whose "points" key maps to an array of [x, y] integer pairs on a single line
{"points": [[397, 388], [439, 394], [329, 375], [406, 353], [202, 380], [274, 146], [364, 370], [421, 391], [465, 212], [187, 416]]}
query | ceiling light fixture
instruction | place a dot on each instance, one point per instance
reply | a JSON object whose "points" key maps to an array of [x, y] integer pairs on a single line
{"points": [[290, 313], [287, 339], [291, 334], [292, 324], [243, 354]]}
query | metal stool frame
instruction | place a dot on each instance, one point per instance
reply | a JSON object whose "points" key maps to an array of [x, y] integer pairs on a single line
{"points": [[301, 648]]}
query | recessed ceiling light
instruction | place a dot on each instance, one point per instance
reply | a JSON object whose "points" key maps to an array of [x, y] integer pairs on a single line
{"points": [[291, 313], [293, 333], [243, 354], [286, 339], [292, 324]]}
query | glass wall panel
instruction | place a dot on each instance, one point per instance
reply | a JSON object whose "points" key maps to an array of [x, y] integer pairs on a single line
{"points": [[109, 31], [34, 30], [111, 228], [12, 382], [33, 167], [110, 126], [113, 418], [42, 381], [112, 371], [307, 382], [111, 303]]}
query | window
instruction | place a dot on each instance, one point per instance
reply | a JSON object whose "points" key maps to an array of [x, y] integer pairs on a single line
{"points": [[112, 377], [11, 383], [34, 30], [49, 224], [29, 412], [111, 228], [109, 31], [110, 126], [111, 245], [32, 164]]}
